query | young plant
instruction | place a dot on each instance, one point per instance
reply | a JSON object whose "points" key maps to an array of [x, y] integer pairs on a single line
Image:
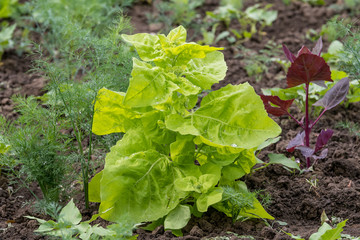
{"points": [[306, 67], [177, 158], [324, 232], [68, 225], [6, 41]]}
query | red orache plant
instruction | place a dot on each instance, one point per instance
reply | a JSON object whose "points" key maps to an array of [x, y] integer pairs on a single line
{"points": [[306, 67]]}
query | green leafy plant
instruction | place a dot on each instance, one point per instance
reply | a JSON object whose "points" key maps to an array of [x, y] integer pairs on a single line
{"points": [[307, 66], [7, 8], [68, 225], [176, 12], [6, 38], [324, 232], [176, 158], [252, 20]]}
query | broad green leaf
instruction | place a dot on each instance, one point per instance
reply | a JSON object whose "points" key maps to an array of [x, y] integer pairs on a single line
{"points": [[334, 234], [133, 187], [186, 87], [177, 36], [188, 184], [182, 151], [242, 166], [110, 114], [70, 214], [204, 72], [187, 51], [178, 217], [154, 128], [257, 212], [147, 45], [268, 142], [207, 199], [148, 85], [321, 231], [232, 116], [283, 160], [94, 188]]}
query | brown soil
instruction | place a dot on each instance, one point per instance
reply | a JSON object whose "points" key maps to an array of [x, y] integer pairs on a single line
{"points": [[293, 200]]}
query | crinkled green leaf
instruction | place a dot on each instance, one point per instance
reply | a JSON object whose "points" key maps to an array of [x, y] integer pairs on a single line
{"points": [[207, 199], [147, 45], [178, 217], [110, 114], [154, 128], [204, 72], [70, 214], [232, 116], [148, 85], [133, 187], [182, 151], [187, 51]]}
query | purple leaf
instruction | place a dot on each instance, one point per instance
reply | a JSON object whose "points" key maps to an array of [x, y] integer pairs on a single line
{"points": [[308, 68], [306, 151], [298, 140], [323, 138], [335, 95], [283, 105], [322, 155], [303, 50], [318, 47], [288, 54], [320, 83]]}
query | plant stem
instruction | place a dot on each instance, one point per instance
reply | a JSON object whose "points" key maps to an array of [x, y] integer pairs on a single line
{"points": [[307, 123], [312, 125], [301, 125]]}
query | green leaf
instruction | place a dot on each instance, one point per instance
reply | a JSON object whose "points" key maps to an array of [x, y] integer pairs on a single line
{"points": [[204, 72], [325, 232], [257, 211], [70, 214], [94, 188], [283, 160], [110, 115], [154, 128], [187, 51], [149, 85], [334, 234], [177, 36], [182, 151], [207, 199], [268, 142], [242, 166], [4, 148], [147, 45], [232, 116], [178, 217], [133, 187]]}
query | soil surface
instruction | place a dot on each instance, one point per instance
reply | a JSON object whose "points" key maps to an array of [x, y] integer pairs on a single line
{"points": [[295, 203]]}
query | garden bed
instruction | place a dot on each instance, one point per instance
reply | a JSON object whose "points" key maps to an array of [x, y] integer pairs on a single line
{"points": [[295, 200]]}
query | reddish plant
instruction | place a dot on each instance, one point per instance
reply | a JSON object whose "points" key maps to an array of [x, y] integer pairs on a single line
{"points": [[306, 67]]}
